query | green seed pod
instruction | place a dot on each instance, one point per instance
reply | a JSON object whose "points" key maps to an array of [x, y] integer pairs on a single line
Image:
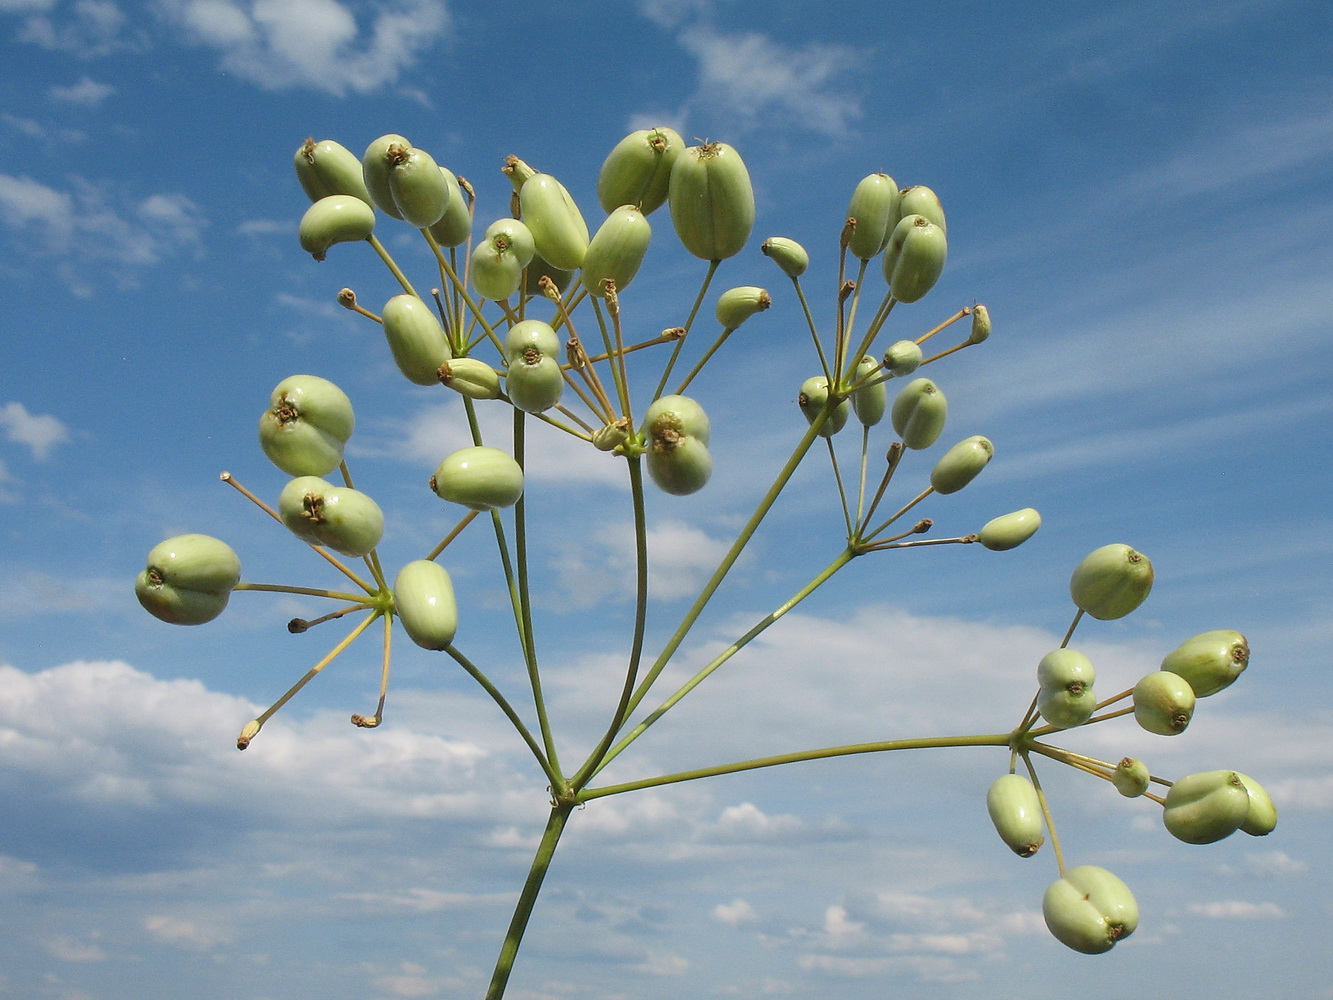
{"points": [[961, 464], [415, 338], [557, 224], [188, 579], [870, 401], [677, 463], [902, 358], [306, 425], [1089, 910], [336, 517], [1111, 582], [786, 254], [611, 436], [711, 201], [921, 200], [1206, 807], [814, 397], [874, 206], [339, 218], [1210, 661], [1261, 819], [1015, 810], [375, 171], [915, 257], [529, 339], [1009, 531], [1163, 703], [423, 597], [736, 305], [542, 268], [980, 325], [679, 415], [327, 168], [512, 236], [616, 251], [455, 225], [918, 413], [470, 377], [638, 170], [1065, 677], [496, 273], [535, 387], [479, 478], [419, 190], [1131, 777]]}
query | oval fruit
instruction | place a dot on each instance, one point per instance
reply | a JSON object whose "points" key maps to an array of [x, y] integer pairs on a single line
{"points": [[1065, 678], [327, 168], [1111, 582], [479, 478], [1210, 661], [787, 254], [375, 172], [1009, 530], [188, 579], [1089, 910], [1261, 818], [711, 201], [1163, 703], [339, 218], [874, 206], [902, 358], [336, 517], [1131, 777], [556, 223], [416, 338], [915, 258], [961, 464], [679, 415], [1206, 807], [679, 464], [419, 190], [637, 171], [306, 425], [423, 597], [870, 402], [1015, 810], [455, 225], [616, 251], [814, 399], [918, 413]]}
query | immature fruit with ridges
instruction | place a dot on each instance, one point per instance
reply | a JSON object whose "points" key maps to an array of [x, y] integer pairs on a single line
{"points": [[1131, 777], [918, 413], [981, 325], [326, 168], [874, 206], [557, 224], [1089, 910], [637, 171], [616, 251], [1261, 817], [496, 273], [336, 517], [1010, 530], [375, 172], [736, 305], [870, 402], [902, 358], [1064, 697], [423, 598], [416, 338], [711, 201], [787, 254], [1111, 582], [1206, 807], [470, 377], [419, 190], [961, 464], [1015, 810], [1163, 703], [455, 225], [813, 399], [306, 425], [914, 258], [188, 579], [921, 200], [339, 218], [1210, 661], [479, 478]]}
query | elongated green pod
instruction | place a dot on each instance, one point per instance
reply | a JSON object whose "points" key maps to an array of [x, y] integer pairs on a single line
{"points": [[787, 254], [480, 478], [870, 402], [1111, 582], [679, 415], [874, 206], [961, 464], [415, 338], [306, 425], [375, 171], [1163, 703], [814, 397], [1206, 807], [736, 305], [637, 171], [188, 579], [1261, 817], [921, 200], [902, 358], [423, 597], [327, 168], [495, 273], [557, 225], [678, 464], [1015, 811], [542, 268], [1010, 530], [711, 201], [417, 187], [1065, 678], [455, 225], [616, 250], [1131, 777], [339, 218], [1089, 910], [470, 377], [918, 413], [336, 517], [1210, 661], [914, 258]]}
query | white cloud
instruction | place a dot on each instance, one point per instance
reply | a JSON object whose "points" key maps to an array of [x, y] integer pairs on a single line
{"points": [[1235, 909], [40, 433], [93, 29], [25, 6], [67, 949], [182, 933], [735, 913], [87, 92]]}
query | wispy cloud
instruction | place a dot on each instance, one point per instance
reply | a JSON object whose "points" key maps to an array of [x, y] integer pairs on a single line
{"points": [[39, 432], [87, 92], [1235, 909], [87, 28]]}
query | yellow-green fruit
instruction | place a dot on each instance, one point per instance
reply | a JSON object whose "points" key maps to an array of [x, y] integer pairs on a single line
{"points": [[616, 251], [419, 190], [1111, 582], [1163, 703], [902, 358], [1089, 910], [1206, 807], [514, 237], [711, 201], [336, 517], [1065, 678], [814, 399], [874, 206], [678, 464], [921, 200], [980, 325], [423, 597], [787, 254], [870, 401], [326, 168], [339, 218], [470, 377], [455, 225], [496, 273], [529, 339], [188, 579], [918, 413], [1131, 777], [479, 478], [375, 172], [556, 223], [416, 338], [638, 170], [914, 258], [1010, 530], [1015, 810], [535, 387], [1261, 818], [1210, 661], [679, 415], [306, 425], [736, 305], [961, 464]]}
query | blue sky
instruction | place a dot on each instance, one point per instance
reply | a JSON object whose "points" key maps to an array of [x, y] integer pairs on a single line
{"points": [[1139, 196]]}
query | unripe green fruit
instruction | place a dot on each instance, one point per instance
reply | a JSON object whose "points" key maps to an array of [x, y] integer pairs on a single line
{"points": [[1261, 818], [416, 338], [679, 415], [339, 218], [419, 190], [542, 268], [1009, 531], [496, 274], [306, 425], [711, 201], [513, 237], [535, 387], [1015, 810], [1089, 910], [678, 464], [870, 401], [918, 413], [1206, 807], [961, 464], [557, 224], [1131, 777], [455, 225], [914, 259], [902, 358], [1210, 661], [188, 579], [787, 254], [375, 172], [814, 398], [921, 200], [638, 170], [874, 206], [616, 251], [326, 168], [980, 325], [479, 478], [423, 597], [1111, 582], [529, 336], [611, 436], [1065, 678], [336, 517], [470, 377], [1163, 703], [736, 305]]}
